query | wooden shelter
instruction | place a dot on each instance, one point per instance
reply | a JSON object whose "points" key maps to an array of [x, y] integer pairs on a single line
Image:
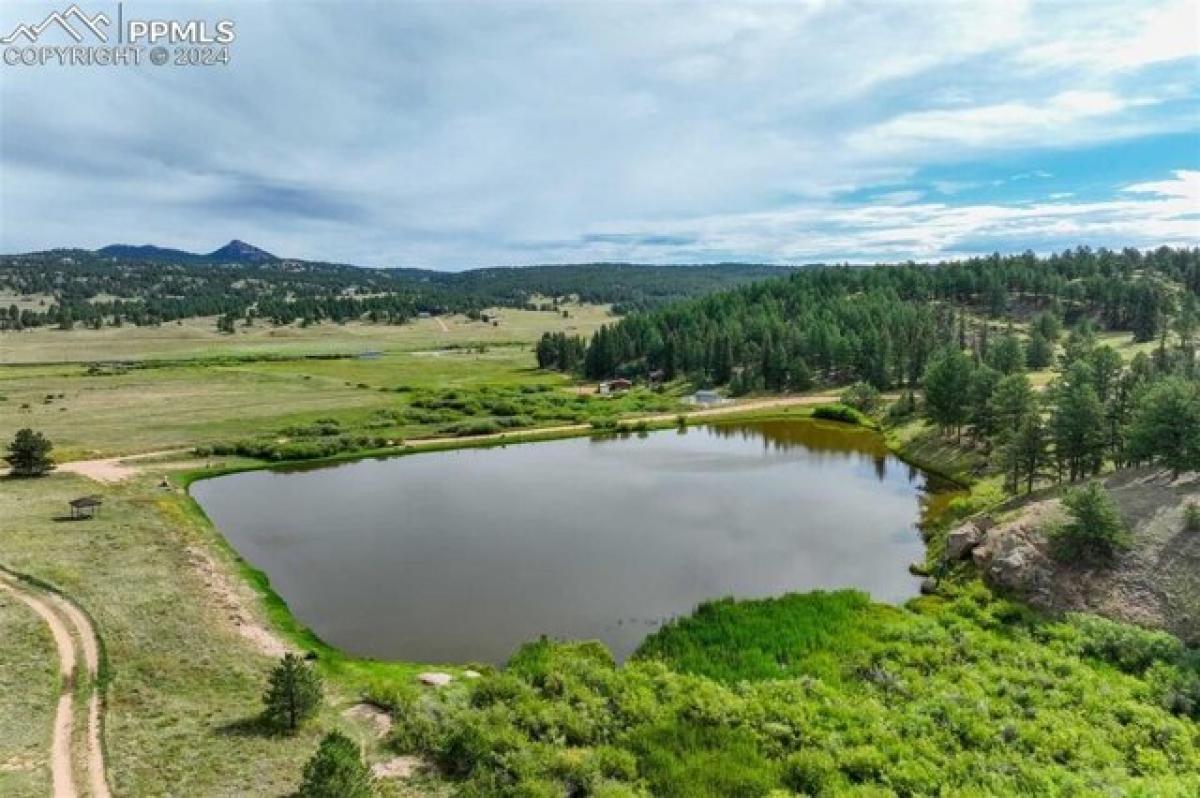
{"points": [[85, 506]]}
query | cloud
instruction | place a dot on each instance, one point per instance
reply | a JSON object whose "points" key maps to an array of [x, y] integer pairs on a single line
{"points": [[1118, 37], [452, 135], [901, 230], [1008, 124]]}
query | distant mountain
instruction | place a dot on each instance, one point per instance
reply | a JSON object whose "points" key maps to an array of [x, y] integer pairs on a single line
{"points": [[239, 252], [149, 252], [234, 252]]}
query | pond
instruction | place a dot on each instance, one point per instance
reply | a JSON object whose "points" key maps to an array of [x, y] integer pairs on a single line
{"points": [[463, 555]]}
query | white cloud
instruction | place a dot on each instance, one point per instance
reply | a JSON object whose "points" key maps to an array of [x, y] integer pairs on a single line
{"points": [[1008, 124], [1118, 37], [931, 230]]}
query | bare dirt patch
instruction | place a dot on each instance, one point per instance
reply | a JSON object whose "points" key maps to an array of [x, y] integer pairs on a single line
{"points": [[377, 719], [234, 604], [398, 767]]}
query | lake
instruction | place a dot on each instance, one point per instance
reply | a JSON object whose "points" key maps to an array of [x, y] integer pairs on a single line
{"points": [[462, 555]]}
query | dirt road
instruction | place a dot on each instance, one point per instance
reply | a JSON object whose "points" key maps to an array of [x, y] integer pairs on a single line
{"points": [[62, 617]]}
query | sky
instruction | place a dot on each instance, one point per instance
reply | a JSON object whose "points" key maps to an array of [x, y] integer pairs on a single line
{"points": [[455, 135]]}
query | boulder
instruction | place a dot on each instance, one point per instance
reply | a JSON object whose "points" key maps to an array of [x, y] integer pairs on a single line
{"points": [[929, 586], [963, 541], [435, 679]]}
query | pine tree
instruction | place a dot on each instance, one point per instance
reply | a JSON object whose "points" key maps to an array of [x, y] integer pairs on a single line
{"points": [[1166, 425], [1095, 529], [947, 386], [293, 693], [1077, 424], [29, 454], [1039, 353], [336, 770]]}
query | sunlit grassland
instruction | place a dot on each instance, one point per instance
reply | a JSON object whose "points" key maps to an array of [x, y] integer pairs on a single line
{"points": [[198, 338], [213, 388], [29, 685], [184, 684]]}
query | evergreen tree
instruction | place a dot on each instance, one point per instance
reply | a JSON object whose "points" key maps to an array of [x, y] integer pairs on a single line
{"points": [[1039, 353], [336, 770], [1166, 425], [1012, 402], [1077, 425], [29, 454], [1094, 529], [1006, 356], [1024, 453], [293, 693], [947, 389]]}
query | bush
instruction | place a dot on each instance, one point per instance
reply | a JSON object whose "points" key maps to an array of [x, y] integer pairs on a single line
{"points": [[1191, 517], [838, 412], [810, 772], [1094, 529], [1130, 648], [863, 397], [336, 770]]}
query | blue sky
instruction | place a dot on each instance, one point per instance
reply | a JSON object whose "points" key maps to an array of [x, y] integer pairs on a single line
{"points": [[451, 135]]}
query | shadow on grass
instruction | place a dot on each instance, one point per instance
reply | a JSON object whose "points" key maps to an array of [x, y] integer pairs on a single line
{"points": [[253, 726]]}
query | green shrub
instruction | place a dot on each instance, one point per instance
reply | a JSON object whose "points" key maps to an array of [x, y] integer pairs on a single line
{"points": [[811, 772], [1130, 648], [1094, 529], [838, 412], [336, 770], [863, 397], [689, 760], [1191, 517]]}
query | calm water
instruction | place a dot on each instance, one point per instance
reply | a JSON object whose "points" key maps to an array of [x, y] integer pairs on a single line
{"points": [[463, 555]]}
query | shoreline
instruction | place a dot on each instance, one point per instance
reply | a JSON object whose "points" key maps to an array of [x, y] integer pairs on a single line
{"points": [[338, 662]]}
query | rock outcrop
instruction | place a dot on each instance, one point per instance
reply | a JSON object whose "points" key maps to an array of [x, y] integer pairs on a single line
{"points": [[1155, 583]]}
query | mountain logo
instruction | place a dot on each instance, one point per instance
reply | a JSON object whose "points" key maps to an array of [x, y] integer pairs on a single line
{"points": [[62, 20]]}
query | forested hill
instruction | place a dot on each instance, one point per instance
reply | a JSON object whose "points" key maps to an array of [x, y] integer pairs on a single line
{"points": [[151, 285], [882, 324]]}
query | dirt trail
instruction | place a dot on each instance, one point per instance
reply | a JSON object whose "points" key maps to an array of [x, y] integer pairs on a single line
{"points": [[114, 469], [61, 616], [441, 324], [91, 659]]}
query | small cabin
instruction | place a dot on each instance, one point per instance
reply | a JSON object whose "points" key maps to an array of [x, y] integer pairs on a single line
{"points": [[85, 506], [609, 387], [707, 397]]}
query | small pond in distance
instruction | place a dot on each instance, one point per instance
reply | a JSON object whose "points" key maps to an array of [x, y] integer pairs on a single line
{"points": [[463, 555]]}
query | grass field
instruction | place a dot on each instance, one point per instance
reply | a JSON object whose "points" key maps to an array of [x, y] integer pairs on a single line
{"points": [[29, 685], [198, 338], [204, 394]]}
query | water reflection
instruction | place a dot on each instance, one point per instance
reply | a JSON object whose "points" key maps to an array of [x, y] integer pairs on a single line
{"points": [[462, 555]]}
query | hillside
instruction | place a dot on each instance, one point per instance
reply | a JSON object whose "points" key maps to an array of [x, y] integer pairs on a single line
{"points": [[1155, 583], [147, 285]]}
